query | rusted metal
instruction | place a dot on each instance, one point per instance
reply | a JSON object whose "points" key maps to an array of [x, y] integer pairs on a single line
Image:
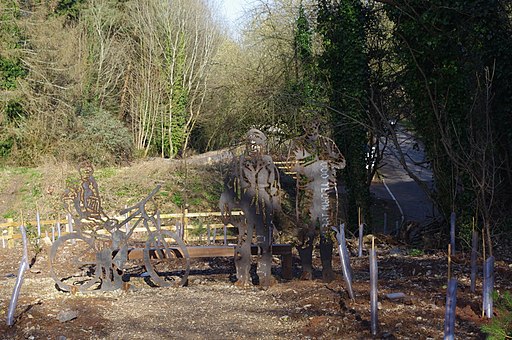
{"points": [[315, 159], [252, 184], [99, 258], [282, 250]]}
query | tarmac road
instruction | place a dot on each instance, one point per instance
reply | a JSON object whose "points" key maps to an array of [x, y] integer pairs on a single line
{"points": [[411, 200]]}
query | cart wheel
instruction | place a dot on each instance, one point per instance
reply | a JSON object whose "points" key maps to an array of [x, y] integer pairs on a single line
{"points": [[73, 263], [166, 259]]}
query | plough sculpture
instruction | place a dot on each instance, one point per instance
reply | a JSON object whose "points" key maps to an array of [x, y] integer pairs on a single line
{"points": [[252, 185], [99, 248], [315, 159]]}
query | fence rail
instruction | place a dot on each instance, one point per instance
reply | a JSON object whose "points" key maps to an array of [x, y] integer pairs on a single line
{"points": [[182, 222]]}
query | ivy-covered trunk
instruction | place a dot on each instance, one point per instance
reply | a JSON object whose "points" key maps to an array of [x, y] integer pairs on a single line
{"points": [[344, 61], [454, 71]]}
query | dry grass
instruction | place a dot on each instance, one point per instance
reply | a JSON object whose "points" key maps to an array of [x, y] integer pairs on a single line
{"points": [[27, 189]]}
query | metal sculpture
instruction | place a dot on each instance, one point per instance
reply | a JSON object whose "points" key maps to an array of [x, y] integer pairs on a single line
{"points": [[99, 248], [253, 185], [316, 160]]}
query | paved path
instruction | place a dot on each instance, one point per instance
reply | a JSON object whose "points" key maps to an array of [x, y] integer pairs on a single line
{"points": [[411, 199]]}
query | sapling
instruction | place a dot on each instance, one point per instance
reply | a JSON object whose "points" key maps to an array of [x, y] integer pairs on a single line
{"points": [[452, 232], [38, 221], [488, 286], [345, 259], [474, 258], [451, 303], [373, 290], [361, 227], [19, 279]]}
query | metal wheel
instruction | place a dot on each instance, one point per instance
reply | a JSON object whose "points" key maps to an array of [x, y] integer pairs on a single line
{"points": [[166, 259], [73, 263]]}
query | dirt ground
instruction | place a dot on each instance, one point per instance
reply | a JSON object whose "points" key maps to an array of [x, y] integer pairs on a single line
{"points": [[211, 307]]}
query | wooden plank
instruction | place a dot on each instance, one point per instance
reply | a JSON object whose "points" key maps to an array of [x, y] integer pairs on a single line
{"points": [[283, 250]]}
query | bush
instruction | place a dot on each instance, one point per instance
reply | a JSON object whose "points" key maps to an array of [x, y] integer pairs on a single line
{"points": [[101, 139]]}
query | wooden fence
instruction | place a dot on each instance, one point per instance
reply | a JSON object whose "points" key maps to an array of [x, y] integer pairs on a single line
{"points": [[192, 227]]}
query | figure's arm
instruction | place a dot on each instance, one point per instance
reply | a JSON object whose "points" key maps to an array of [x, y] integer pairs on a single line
{"points": [[275, 188], [228, 197], [334, 153]]}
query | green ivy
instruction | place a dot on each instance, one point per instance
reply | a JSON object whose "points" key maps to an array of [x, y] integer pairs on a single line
{"points": [[443, 46], [344, 61], [10, 70], [500, 327]]}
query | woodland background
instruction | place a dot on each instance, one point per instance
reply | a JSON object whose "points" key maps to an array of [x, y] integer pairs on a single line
{"points": [[113, 81]]}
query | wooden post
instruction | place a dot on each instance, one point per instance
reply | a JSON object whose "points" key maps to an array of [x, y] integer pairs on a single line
{"points": [[452, 232], [225, 234], [10, 239], [185, 223], [474, 258]]}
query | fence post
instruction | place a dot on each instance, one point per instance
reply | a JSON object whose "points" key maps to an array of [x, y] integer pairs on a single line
{"points": [[225, 234], [10, 239], [185, 223]]}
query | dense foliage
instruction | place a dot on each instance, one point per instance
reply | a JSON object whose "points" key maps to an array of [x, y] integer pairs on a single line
{"points": [[344, 61], [456, 71], [156, 78]]}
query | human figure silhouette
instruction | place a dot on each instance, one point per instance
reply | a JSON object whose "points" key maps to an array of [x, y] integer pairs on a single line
{"points": [[253, 185], [316, 160]]}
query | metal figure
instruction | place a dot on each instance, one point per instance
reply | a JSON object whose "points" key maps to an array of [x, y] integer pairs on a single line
{"points": [[99, 258], [253, 185], [316, 160]]}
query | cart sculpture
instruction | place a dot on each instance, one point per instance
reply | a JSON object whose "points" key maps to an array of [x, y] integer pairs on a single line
{"points": [[98, 249]]}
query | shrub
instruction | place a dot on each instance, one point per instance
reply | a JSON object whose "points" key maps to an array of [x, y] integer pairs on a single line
{"points": [[100, 138]]}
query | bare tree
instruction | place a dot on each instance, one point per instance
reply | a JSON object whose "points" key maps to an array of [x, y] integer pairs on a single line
{"points": [[176, 42]]}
